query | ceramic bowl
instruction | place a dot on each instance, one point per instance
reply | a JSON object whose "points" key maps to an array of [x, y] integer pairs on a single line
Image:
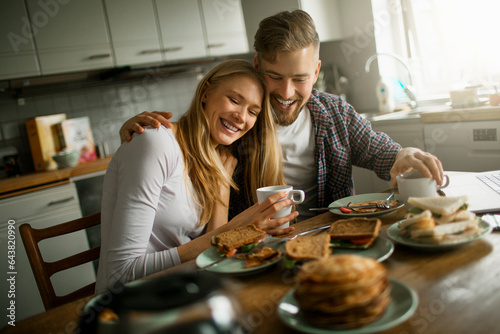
{"points": [[66, 158]]}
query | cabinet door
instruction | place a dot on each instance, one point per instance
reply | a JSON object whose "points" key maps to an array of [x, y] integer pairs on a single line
{"points": [[70, 36], [134, 33], [42, 209], [225, 27], [17, 51], [325, 13], [181, 29], [326, 16]]}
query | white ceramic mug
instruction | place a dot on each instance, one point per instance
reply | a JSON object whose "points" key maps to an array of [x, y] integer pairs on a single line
{"points": [[414, 184], [265, 192]]}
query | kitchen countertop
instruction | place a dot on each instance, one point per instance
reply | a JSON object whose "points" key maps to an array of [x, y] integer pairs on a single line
{"points": [[436, 114], [41, 180]]}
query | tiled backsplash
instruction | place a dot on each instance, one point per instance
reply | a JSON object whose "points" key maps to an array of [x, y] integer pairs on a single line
{"points": [[107, 105]]}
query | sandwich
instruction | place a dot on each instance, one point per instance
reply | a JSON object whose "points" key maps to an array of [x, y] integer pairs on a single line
{"points": [[439, 220], [443, 209], [263, 256], [241, 239], [355, 233], [343, 291], [306, 247]]}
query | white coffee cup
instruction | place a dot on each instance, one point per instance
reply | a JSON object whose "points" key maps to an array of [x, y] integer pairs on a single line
{"points": [[265, 192], [414, 184]]}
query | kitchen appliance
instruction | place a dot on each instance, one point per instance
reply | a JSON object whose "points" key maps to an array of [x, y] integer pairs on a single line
{"points": [[9, 162], [467, 146]]}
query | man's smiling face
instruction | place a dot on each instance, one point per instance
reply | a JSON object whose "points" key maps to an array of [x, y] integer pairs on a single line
{"points": [[290, 80]]}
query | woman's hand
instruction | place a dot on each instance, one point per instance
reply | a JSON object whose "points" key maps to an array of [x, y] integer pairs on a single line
{"points": [[138, 122], [260, 215]]}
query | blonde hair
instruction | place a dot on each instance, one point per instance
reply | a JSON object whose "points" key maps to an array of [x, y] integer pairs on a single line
{"points": [[263, 160], [283, 32]]}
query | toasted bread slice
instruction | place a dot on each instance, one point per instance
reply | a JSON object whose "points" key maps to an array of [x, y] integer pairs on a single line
{"points": [[229, 240], [355, 228], [308, 247]]}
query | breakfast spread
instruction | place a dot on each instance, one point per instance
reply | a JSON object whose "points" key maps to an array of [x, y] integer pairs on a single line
{"points": [[439, 220], [343, 291], [357, 233]]}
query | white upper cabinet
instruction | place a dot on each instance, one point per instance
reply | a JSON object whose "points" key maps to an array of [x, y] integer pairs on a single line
{"points": [[17, 51], [325, 14], [70, 35], [181, 29], [225, 27], [134, 34]]}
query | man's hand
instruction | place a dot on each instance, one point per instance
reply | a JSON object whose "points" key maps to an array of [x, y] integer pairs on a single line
{"points": [[138, 122], [412, 158]]}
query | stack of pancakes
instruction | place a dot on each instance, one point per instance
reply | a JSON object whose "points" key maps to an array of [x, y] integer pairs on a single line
{"points": [[345, 291]]}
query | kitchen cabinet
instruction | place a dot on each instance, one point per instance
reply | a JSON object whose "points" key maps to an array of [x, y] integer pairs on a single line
{"points": [[325, 13], [70, 36], [149, 31], [181, 29], [133, 30], [225, 27], [17, 50], [41, 209]]}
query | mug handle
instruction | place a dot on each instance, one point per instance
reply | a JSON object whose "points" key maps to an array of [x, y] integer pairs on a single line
{"points": [[447, 182], [300, 193]]}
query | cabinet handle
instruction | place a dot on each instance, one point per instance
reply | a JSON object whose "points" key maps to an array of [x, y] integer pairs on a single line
{"points": [[64, 200], [151, 51], [218, 45], [173, 49], [100, 56]]}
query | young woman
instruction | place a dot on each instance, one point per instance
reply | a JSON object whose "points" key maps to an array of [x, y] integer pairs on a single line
{"points": [[166, 192]]}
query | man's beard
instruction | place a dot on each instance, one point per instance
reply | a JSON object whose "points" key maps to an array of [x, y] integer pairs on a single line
{"points": [[286, 118]]}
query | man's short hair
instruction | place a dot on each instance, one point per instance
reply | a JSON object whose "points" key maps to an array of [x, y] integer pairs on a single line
{"points": [[283, 32]]}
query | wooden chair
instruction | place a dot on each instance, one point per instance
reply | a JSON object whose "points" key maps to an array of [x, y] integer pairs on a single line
{"points": [[44, 270]]}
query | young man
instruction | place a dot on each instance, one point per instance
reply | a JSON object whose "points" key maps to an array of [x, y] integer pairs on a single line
{"points": [[321, 135]]}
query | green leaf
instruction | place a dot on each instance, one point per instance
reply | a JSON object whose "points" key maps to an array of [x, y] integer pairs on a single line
{"points": [[247, 248], [289, 263]]}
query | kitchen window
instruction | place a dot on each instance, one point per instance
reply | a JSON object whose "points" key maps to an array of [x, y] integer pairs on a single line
{"points": [[449, 44]]}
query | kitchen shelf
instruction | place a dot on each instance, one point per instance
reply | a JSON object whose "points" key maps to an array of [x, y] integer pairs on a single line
{"points": [[40, 180]]}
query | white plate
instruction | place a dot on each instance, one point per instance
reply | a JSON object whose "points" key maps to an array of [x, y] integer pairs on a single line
{"points": [[364, 198], [404, 302], [393, 233], [381, 249], [233, 265]]}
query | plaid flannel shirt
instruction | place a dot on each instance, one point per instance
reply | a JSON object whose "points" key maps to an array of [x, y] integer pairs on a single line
{"points": [[343, 139]]}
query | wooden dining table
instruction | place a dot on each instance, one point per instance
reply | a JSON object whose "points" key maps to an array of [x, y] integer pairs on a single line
{"points": [[458, 289]]}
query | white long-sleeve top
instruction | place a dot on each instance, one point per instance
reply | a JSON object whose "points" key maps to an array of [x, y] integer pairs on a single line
{"points": [[147, 209]]}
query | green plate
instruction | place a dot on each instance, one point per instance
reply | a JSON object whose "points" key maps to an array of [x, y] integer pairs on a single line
{"points": [[364, 198], [393, 233], [404, 302], [233, 265], [381, 249]]}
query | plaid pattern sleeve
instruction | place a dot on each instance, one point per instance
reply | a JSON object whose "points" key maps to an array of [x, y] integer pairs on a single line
{"points": [[343, 139]]}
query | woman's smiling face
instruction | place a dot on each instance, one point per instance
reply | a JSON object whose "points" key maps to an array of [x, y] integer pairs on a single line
{"points": [[232, 108]]}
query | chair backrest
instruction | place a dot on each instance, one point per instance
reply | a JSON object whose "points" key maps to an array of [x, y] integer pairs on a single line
{"points": [[44, 270]]}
